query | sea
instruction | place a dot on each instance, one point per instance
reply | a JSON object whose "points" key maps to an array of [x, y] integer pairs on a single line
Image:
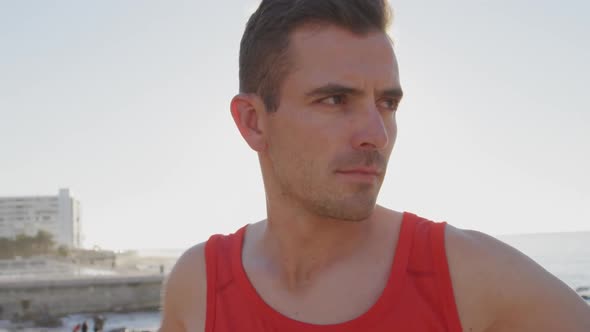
{"points": [[565, 255]]}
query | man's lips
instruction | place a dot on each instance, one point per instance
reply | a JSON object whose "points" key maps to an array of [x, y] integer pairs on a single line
{"points": [[361, 171]]}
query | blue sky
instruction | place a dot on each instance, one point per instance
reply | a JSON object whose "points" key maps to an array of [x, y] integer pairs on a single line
{"points": [[126, 103]]}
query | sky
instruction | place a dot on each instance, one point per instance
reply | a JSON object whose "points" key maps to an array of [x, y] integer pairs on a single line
{"points": [[127, 104]]}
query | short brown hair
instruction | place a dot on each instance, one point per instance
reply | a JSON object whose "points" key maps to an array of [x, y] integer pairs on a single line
{"points": [[263, 49]]}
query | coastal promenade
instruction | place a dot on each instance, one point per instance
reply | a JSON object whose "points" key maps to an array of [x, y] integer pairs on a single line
{"points": [[38, 298]]}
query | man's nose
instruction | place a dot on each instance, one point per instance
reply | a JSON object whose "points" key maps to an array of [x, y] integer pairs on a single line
{"points": [[371, 130]]}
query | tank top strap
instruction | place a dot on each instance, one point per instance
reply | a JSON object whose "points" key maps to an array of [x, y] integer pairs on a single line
{"points": [[421, 261], [211, 263], [218, 257], [428, 263], [445, 284]]}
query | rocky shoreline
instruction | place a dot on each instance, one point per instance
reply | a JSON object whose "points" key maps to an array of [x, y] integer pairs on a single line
{"points": [[42, 297], [584, 292], [146, 321]]}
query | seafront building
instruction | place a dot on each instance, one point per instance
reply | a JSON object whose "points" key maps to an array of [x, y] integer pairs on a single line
{"points": [[58, 215]]}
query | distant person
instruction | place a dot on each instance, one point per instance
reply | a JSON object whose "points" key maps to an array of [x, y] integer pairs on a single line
{"points": [[76, 328], [319, 92], [84, 327], [98, 323]]}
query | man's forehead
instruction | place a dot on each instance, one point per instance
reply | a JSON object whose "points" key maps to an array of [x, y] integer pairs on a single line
{"points": [[313, 36], [335, 55], [334, 48]]}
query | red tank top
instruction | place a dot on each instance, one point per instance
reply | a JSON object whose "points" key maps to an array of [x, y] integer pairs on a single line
{"points": [[417, 297]]}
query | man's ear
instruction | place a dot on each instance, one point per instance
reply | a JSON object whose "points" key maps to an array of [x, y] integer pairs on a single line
{"points": [[247, 110]]}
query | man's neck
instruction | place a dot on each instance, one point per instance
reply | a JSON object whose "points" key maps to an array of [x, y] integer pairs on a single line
{"points": [[299, 247]]}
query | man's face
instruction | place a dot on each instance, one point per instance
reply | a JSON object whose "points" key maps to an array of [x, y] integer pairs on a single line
{"points": [[330, 139]]}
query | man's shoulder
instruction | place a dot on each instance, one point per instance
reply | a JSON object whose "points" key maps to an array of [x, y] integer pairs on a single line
{"points": [[190, 264], [184, 293], [478, 251], [498, 287], [490, 263]]}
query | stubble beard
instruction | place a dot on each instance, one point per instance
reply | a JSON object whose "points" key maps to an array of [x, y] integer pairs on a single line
{"points": [[322, 195], [334, 203]]}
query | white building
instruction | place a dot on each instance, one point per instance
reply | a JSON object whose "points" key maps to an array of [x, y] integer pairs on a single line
{"points": [[58, 215]]}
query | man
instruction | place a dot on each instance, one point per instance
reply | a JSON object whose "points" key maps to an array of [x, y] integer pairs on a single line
{"points": [[319, 91]]}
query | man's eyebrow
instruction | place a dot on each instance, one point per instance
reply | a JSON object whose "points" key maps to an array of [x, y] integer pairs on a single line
{"points": [[333, 89], [397, 93], [338, 89]]}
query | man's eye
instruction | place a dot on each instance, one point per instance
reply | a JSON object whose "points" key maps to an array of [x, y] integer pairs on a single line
{"points": [[334, 100], [389, 104]]}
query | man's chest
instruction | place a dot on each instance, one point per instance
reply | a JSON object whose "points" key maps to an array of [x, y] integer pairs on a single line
{"points": [[340, 295]]}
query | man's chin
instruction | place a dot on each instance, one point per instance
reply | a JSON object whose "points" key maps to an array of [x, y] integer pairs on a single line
{"points": [[351, 213]]}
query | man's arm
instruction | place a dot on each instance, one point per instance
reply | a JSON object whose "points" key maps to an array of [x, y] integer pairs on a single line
{"points": [[184, 293], [510, 291]]}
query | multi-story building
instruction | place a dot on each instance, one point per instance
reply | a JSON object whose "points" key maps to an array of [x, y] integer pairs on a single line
{"points": [[58, 215]]}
